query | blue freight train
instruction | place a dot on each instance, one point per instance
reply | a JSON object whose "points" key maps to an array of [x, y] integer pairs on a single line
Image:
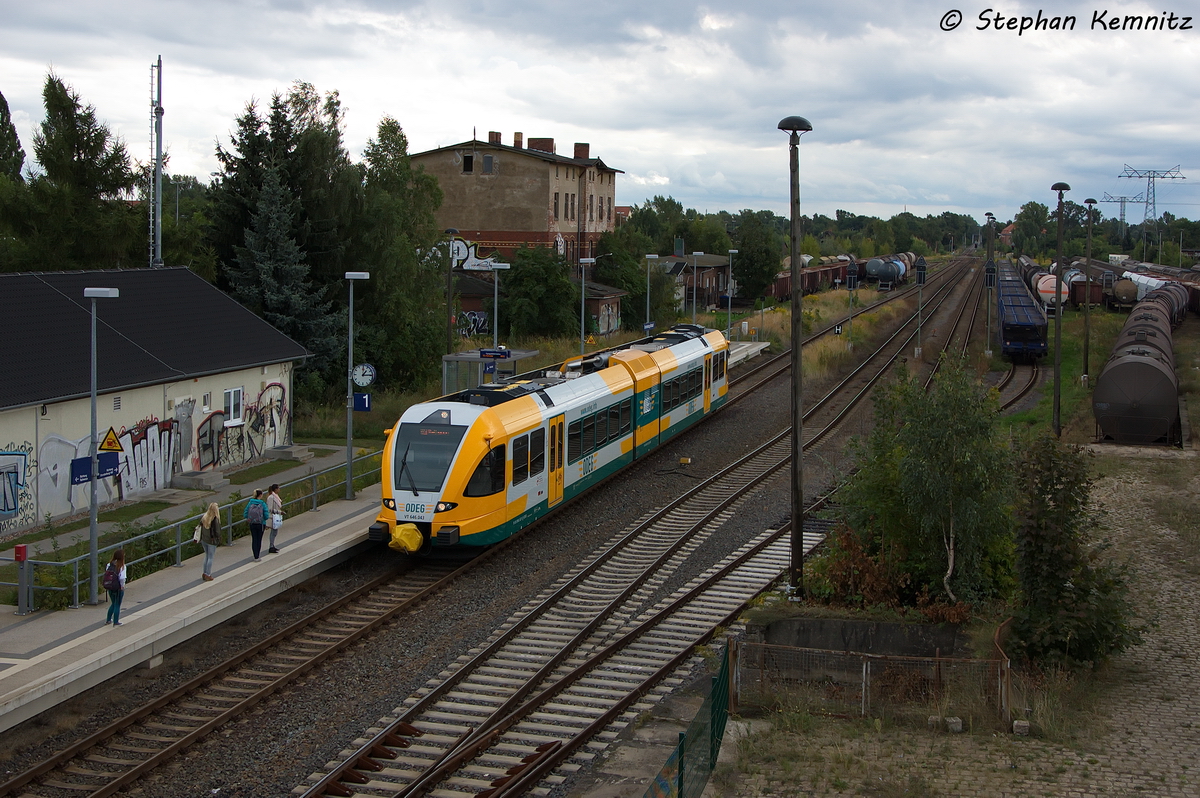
{"points": [[1021, 322]]}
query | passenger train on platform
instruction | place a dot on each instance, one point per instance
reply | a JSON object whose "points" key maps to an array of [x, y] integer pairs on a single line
{"points": [[474, 467]]}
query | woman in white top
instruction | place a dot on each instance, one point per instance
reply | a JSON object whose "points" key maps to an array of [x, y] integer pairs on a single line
{"points": [[114, 596], [275, 505]]}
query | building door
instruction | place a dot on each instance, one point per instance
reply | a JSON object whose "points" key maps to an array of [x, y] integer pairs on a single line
{"points": [[556, 460]]}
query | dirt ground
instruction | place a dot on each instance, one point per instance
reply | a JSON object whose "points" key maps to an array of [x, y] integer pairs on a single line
{"points": [[1131, 729]]}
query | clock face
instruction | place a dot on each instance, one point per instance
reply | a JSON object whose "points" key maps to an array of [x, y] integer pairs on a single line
{"points": [[363, 374]]}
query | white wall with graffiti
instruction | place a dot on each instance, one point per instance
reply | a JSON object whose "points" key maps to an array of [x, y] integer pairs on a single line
{"points": [[199, 424]]}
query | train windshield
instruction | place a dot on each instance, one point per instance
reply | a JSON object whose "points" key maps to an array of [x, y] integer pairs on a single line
{"points": [[423, 455]]}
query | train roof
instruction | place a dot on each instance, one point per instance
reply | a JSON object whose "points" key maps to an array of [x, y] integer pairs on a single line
{"points": [[537, 382]]}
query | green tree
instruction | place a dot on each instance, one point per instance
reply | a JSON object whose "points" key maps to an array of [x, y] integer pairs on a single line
{"points": [[1074, 608], [402, 309], [931, 490], [78, 152], [12, 157], [272, 277], [540, 298], [1032, 223], [758, 260]]}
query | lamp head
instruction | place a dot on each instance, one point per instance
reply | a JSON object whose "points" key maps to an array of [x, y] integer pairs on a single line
{"points": [[651, 257], [795, 124], [101, 293], [1089, 201], [450, 231], [358, 275], [733, 252], [1060, 187]]}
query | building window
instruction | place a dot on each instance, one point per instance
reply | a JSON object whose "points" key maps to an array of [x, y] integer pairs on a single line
{"points": [[206, 402], [610, 209], [572, 207], [556, 206], [233, 407], [116, 403], [487, 164], [468, 164], [591, 207]]}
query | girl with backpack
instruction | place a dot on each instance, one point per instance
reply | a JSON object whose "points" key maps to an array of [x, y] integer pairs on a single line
{"points": [[210, 537], [114, 583], [256, 514]]}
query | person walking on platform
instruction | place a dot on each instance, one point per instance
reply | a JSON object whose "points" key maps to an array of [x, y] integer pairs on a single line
{"points": [[256, 514], [115, 584], [275, 505], [210, 537]]}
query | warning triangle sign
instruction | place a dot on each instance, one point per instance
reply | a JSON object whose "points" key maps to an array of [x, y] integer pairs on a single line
{"points": [[110, 442], [591, 339]]}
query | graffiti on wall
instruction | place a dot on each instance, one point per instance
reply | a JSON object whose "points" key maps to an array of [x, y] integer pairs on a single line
{"points": [[266, 424], [56, 495], [610, 319], [473, 322], [16, 498], [154, 451], [147, 463]]}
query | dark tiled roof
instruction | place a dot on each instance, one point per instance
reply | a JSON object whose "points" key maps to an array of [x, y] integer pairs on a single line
{"points": [[167, 325]]}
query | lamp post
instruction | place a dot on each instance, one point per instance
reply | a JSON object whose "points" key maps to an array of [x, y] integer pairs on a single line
{"points": [[1060, 188], [989, 278], [795, 126], [648, 259], [496, 268], [729, 297], [352, 277], [583, 264], [93, 535], [851, 289], [450, 231], [695, 280], [1087, 290]]}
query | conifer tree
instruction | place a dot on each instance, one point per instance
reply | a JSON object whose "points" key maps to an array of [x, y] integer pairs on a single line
{"points": [[272, 276], [12, 157]]}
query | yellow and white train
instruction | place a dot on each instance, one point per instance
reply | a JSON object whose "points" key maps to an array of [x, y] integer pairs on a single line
{"points": [[474, 467]]}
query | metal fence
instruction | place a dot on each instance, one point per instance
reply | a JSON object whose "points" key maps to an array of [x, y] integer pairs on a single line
{"points": [[689, 766], [850, 683], [170, 544]]}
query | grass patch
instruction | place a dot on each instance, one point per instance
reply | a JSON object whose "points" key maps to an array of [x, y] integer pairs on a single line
{"points": [[1062, 705], [262, 471]]}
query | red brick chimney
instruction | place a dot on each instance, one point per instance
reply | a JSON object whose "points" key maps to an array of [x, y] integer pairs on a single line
{"points": [[581, 150], [542, 145], [493, 137], [518, 140]]}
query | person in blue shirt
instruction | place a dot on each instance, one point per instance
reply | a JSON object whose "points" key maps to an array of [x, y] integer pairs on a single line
{"points": [[256, 514]]}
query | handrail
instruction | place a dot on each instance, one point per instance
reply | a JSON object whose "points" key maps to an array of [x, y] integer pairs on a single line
{"points": [[309, 500]]}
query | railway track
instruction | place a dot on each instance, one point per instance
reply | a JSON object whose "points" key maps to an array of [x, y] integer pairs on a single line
{"points": [[509, 713], [116, 756]]}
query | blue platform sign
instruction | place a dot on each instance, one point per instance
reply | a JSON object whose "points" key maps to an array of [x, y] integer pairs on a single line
{"points": [[362, 402], [495, 353], [648, 326], [108, 463]]}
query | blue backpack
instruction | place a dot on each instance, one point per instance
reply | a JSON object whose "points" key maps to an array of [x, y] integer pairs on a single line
{"points": [[255, 513]]}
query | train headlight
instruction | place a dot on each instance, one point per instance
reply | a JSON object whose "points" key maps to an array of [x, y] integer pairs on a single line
{"points": [[389, 503], [442, 507]]}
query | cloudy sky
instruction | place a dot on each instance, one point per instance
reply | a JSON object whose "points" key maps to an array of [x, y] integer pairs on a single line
{"points": [[685, 98]]}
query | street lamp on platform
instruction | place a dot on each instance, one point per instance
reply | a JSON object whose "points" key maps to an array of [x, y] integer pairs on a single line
{"points": [[795, 126], [1060, 188], [352, 278], [93, 519]]}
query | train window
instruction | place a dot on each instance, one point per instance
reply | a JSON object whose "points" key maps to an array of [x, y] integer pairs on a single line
{"points": [[537, 451], [589, 435], [520, 455], [488, 478], [614, 422], [626, 416], [574, 442], [601, 429], [667, 388], [553, 447]]}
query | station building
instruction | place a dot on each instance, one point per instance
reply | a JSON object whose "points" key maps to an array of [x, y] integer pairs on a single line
{"points": [[189, 380], [500, 197]]}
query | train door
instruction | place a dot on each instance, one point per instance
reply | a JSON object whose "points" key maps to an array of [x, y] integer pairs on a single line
{"points": [[557, 427], [708, 382]]}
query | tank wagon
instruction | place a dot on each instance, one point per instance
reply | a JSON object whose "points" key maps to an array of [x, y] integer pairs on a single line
{"points": [[1020, 320], [890, 269], [1136, 400], [474, 467]]}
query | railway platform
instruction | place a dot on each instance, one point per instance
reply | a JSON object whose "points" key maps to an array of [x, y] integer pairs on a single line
{"points": [[741, 351], [49, 657]]}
